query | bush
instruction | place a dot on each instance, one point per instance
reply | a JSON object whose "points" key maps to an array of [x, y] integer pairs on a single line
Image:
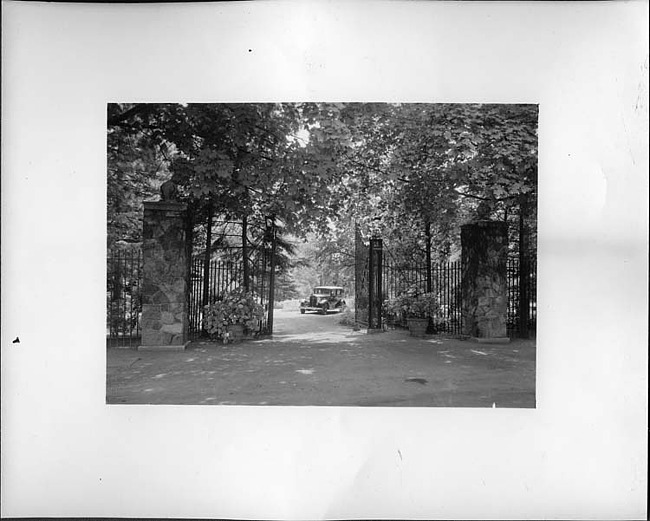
{"points": [[412, 304], [347, 317], [237, 307]]}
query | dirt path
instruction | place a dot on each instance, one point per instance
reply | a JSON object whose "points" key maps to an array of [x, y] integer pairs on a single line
{"points": [[312, 360]]}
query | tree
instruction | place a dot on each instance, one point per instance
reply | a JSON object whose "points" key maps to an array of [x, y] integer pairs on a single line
{"points": [[416, 171], [136, 168], [436, 165]]}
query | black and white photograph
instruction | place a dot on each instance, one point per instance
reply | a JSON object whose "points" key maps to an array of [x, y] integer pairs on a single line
{"points": [[324, 260], [342, 254]]}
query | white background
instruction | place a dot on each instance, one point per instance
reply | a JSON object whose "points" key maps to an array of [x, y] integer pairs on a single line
{"points": [[581, 454]]}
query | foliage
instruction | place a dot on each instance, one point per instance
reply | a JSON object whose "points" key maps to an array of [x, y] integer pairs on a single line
{"points": [[122, 317], [237, 307], [415, 172], [286, 287], [347, 317], [439, 165], [247, 159], [412, 304], [326, 258], [123, 290], [135, 171]]}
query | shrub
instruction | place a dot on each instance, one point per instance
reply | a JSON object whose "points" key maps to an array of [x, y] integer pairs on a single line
{"points": [[237, 307], [347, 317], [412, 304]]}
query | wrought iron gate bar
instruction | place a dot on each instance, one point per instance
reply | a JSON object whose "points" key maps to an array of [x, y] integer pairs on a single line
{"points": [[123, 298], [225, 276], [361, 288], [375, 297]]}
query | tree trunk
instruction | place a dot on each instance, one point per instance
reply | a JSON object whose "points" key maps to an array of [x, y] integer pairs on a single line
{"points": [[524, 269], [244, 249]]}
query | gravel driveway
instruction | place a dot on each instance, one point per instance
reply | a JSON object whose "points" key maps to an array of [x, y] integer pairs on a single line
{"points": [[313, 360]]}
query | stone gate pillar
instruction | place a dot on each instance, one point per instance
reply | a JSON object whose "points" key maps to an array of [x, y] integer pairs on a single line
{"points": [[484, 282], [165, 270]]}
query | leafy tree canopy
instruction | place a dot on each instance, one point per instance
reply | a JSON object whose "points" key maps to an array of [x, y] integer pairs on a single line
{"points": [[311, 165]]}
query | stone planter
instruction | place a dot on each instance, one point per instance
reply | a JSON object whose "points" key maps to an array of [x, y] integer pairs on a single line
{"points": [[235, 333], [418, 326]]}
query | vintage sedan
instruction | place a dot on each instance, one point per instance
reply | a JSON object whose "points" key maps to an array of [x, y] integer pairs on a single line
{"points": [[324, 299]]}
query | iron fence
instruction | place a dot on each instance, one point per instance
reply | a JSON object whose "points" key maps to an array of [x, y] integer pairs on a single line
{"points": [[527, 326], [361, 280], [225, 276], [124, 292], [445, 284], [123, 298]]}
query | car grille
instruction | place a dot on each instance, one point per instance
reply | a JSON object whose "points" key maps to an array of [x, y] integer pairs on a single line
{"points": [[312, 301]]}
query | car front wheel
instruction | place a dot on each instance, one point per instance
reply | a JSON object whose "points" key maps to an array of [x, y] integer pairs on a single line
{"points": [[302, 311], [324, 309]]}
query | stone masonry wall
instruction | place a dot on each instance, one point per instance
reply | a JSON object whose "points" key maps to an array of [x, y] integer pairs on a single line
{"points": [[484, 283], [164, 291]]}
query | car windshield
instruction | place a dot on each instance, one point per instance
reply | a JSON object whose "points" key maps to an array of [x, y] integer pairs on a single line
{"points": [[328, 291]]}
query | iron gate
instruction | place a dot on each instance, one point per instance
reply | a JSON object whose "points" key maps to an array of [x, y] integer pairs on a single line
{"points": [[443, 279], [225, 276], [368, 281], [123, 298], [516, 324], [361, 283]]}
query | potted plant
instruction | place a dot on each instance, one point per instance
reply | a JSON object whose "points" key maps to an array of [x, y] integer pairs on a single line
{"points": [[236, 314], [418, 308]]}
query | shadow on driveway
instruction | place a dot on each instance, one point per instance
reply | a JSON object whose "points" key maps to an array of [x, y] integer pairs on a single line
{"points": [[312, 360]]}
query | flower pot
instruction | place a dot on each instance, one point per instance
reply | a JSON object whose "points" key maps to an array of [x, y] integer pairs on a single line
{"points": [[418, 326], [235, 332]]}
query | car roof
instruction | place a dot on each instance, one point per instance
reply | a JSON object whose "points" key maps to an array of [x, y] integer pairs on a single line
{"points": [[328, 287]]}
